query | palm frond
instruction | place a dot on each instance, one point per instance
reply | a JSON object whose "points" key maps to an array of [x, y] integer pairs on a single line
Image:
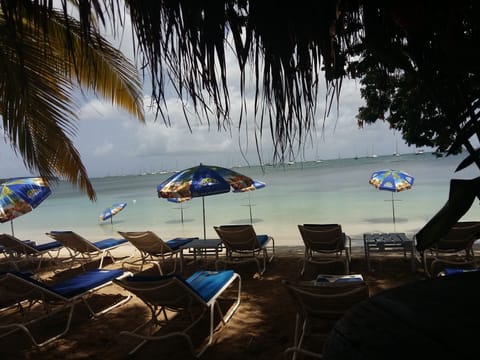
{"points": [[40, 74]]}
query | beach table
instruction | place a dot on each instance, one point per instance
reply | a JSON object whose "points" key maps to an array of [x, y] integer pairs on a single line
{"points": [[387, 243], [202, 248]]}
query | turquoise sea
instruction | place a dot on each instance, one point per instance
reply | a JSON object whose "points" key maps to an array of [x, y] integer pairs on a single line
{"points": [[328, 191]]}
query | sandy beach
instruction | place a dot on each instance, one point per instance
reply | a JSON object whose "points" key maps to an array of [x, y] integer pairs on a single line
{"points": [[262, 327]]}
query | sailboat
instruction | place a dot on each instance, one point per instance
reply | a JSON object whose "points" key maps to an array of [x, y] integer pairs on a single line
{"points": [[372, 155], [318, 160], [396, 153]]}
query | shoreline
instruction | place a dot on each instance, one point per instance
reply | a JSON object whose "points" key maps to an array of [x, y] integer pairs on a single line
{"points": [[334, 192], [290, 238]]}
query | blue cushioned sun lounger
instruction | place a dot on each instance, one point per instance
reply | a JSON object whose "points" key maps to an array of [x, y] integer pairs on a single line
{"points": [[17, 250], [174, 293], [242, 244], [82, 250], [62, 296], [154, 250]]}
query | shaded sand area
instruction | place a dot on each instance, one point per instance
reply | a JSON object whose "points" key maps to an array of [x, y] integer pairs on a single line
{"points": [[262, 327]]}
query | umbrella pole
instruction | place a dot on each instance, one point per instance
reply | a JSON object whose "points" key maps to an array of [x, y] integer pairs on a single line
{"points": [[11, 226], [204, 228], [250, 207], [393, 212], [181, 212]]}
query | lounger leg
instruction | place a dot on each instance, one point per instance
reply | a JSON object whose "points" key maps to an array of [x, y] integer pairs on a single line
{"points": [[302, 271], [101, 261], [273, 250], [24, 328], [347, 262], [104, 254], [224, 318]]}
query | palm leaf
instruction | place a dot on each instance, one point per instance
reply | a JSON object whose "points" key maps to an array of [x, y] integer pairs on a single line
{"points": [[40, 74]]}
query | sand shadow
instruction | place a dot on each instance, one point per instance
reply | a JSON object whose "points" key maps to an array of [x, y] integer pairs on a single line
{"points": [[178, 221], [108, 223], [246, 221]]}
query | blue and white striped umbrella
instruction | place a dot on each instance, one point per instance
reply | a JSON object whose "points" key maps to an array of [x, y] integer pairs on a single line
{"points": [[109, 212], [393, 181], [19, 196]]}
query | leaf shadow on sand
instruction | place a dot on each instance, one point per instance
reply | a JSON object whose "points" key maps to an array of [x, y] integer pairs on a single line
{"points": [[245, 221]]}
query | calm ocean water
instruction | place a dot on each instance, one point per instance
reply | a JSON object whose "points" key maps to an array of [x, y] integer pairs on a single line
{"points": [[331, 191]]}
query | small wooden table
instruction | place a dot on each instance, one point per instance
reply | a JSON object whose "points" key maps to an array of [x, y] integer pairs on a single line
{"points": [[388, 242], [202, 247]]}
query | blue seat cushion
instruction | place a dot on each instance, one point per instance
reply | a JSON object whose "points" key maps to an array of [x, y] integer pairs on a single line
{"points": [[262, 239], [209, 283], [84, 282], [204, 283], [48, 246], [76, 285], [452, 271], [108, 243], [174, 244]]}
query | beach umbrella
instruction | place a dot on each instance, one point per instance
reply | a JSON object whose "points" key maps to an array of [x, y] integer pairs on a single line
{"points": [[201, 181], [255, 186], [109, 212], [20, 196], [393, 181]]}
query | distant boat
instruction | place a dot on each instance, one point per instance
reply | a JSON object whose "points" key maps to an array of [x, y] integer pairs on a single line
{"points": [[291, 163], [396, 153], [419, 152], [372, 155]]}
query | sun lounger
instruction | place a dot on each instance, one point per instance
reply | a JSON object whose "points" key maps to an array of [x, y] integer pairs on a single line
{"points": [[17, 250], [195, 296], [154, 250], [319, 304], [82, 250], [325, 244], [242, 244], [454, 249], [31, 294]]}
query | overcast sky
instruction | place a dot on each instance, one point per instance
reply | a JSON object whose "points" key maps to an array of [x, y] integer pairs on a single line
{"points": [[111, 142]]}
